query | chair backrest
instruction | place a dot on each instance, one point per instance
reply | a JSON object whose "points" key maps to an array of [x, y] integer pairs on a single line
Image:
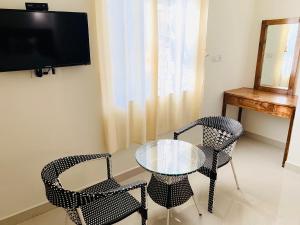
{"points": [[54, 191], [220, 133], [69, 200]]}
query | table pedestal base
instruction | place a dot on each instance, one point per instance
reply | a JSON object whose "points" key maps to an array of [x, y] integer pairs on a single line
{"points": [[173, 192]]}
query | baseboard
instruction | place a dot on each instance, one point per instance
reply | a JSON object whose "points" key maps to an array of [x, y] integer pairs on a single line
{"points": [[46, 206], [129, 173], [292, 167], [264, 139], [27, 214]]}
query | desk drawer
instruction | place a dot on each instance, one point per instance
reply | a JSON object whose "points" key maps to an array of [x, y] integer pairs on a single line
{"points": [[273, 109]]}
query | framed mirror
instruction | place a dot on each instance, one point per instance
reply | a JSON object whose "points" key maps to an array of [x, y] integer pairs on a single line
{"points": [[278, 56]]}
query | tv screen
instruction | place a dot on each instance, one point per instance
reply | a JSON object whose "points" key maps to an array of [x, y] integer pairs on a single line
{"points": [[32, 40]]}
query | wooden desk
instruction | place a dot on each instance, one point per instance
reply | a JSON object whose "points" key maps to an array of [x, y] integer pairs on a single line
{"points": [[271, 103]]}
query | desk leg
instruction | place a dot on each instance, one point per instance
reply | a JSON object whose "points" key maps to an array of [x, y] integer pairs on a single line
{"points": [[287, 145], [240, 114], [224, 107]]}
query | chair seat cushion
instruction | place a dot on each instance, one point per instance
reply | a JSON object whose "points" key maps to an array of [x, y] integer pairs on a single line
{"points": [[223, 159], [111, 209]]}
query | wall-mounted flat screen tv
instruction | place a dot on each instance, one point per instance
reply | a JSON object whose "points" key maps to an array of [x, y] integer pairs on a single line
{"points": [[31, 40]]}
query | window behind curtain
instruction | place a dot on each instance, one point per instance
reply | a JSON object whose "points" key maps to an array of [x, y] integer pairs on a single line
{"points": [[130, 24]]}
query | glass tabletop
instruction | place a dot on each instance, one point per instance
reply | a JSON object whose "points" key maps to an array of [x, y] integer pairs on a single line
{"points": [[170, 157]]}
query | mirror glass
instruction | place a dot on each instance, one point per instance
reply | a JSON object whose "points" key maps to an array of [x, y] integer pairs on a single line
{"points": [[279, 55]]}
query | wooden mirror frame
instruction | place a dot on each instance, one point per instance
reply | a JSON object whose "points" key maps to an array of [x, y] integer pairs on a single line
{"points": [[261, 52]]}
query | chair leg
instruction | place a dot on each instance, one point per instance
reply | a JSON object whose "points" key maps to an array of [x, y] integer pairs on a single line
{"points": [[234, 174], [144, 221], [211, 195], [144, 212]]}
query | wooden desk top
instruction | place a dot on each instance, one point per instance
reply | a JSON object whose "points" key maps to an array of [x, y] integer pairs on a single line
{"points": [[263, 96], [261, 101]]}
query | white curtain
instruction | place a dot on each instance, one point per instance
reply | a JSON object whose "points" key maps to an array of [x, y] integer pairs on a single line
{"points": [[151, 56]]}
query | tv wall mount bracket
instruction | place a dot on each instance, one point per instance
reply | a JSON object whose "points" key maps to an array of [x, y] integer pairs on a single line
{"points": [[44, 71]]}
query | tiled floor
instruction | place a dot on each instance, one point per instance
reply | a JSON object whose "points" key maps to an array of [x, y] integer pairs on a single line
{"points": [[269, 194]]}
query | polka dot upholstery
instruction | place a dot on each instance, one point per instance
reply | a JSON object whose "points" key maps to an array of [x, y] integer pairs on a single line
{"points": [[206, 169], [169, 192], [104, 203], [111, 209], [220, 135]]}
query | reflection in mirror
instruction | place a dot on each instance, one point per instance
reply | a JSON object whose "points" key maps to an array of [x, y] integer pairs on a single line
{"points": [[279, 55]]}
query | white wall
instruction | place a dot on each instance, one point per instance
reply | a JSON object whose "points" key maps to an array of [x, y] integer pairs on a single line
{"points": [[229, 35], [233, 33], [42, 119]]}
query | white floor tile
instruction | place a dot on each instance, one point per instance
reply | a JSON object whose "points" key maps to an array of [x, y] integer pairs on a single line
{"points": [[269, 194]]}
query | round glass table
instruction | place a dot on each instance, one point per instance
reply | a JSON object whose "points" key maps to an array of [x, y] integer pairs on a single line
{"points": [[170, 162]]}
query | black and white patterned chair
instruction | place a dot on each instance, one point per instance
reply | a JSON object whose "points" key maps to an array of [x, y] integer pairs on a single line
{"points": [[106, 202], [219, 138]]}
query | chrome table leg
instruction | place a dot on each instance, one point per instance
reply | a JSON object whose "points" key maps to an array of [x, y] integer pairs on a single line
{"points": [[200, 214]]}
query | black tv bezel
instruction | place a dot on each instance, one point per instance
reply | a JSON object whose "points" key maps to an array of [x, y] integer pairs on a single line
{"points": [[88, 62]]}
